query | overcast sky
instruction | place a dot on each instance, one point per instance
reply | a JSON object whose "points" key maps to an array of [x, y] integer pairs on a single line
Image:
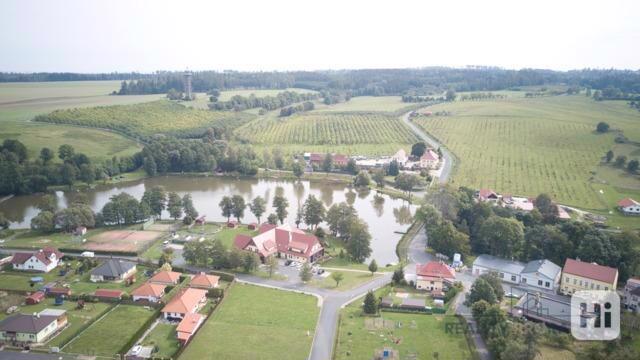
{"points": [[128, 35]]}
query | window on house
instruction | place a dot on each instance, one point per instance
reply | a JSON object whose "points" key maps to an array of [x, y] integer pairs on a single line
{"points": [[580, 282], [546, 284], [574, 281], [539, 282], [502, 275], [606, 288], [524, 280], [513, 278], [597, 287], [592, 285], [566, 279]]}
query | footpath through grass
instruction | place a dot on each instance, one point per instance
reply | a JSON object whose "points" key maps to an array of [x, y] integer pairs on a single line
{"points": [[108, 335], [257, 323]]}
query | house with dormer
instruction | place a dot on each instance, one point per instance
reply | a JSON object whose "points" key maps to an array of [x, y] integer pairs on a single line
{"points": [[43, 260], [284, 241]]}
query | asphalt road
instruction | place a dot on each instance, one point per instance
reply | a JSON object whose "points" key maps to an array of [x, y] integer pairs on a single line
{"points": [[449, 160]]}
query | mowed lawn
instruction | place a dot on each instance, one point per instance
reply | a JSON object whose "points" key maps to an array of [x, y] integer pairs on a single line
{"points": [[410, 334], [257, 323], [164, 337], [528, 146], [108, 335]]}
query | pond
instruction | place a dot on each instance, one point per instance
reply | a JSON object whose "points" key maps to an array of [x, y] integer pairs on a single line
{"points": [[385, 216]]}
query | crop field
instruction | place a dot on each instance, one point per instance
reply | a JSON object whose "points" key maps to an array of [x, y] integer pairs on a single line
{"points": [[257, 323], [528, 146], [350, 133], [145, 119]]}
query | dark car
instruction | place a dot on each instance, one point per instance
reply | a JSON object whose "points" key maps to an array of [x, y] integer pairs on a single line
{"points": [[287, 263]]}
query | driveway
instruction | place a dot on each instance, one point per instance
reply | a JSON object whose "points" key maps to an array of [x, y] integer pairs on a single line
{"points": [[449, 159]]}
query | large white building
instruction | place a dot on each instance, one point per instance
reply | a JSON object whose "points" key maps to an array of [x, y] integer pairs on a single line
{"points": [[536, 273], [629, 206], [541, 273], [507, 270], [43, 260]]}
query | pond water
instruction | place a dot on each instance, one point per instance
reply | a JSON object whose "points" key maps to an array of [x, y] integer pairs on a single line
{"points": [[385, 217]]}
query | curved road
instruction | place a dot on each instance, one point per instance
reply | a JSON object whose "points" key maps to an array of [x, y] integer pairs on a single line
{"points": [[449, 159]]}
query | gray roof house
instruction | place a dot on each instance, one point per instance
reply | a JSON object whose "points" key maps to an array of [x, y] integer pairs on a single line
{"points": [[113, 270], [25, 328], [507, 270], [541, 273]]}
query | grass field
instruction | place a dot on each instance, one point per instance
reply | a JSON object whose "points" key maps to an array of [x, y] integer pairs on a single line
{"points": [[414, 335], [228, 94], [351, 280], [367, 104], [528, 146], [164, 337], [108, 335], [21, 102], [162, 116], [257, 323]]}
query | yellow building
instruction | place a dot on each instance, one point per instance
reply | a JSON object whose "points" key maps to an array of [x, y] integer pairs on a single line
{"points": [[578, 275]]}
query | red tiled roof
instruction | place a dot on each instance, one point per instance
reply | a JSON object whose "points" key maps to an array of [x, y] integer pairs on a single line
{"points": [[59, 291], [36, 296], [189, 323], [241, 241], [109, 293], [435, 269], [148, 289], [266, 227], [204, 280], [590, 271], [20, 258], [48, 250], [485, 193], [166, 277], [280, 239], [42, 255], [186, 301], [429, 155], [627, 202]]}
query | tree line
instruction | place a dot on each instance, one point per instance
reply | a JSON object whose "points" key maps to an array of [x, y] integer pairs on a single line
{"points": [[456, 223], [240, 103], [21, 175]]}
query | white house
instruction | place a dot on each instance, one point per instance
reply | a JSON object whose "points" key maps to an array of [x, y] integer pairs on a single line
{"points": [[541, 273], [629, 206], [43, 260], [401, 157], [507, 270], [429, 160]]}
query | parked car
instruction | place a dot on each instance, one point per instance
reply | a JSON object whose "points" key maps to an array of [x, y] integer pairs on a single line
{"points": [[136, 350], [287, 263], [88, 254], [320, 271]]}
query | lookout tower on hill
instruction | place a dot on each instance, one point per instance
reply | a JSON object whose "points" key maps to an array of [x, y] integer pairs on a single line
{"points": [[187, 85]]}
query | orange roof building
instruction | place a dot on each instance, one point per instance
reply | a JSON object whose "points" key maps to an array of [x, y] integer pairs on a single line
{"points": [[188, 326], [204, 281], [187, 301], [166, 278], [148, 291]]}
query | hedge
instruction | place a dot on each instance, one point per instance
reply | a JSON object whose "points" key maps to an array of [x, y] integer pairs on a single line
{"points": [[132, 341], [225, 276], [99, 252], [414, 311]]}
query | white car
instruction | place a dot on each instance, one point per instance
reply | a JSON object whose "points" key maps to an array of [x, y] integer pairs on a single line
{"points": [[88, 254], [136, 350]]}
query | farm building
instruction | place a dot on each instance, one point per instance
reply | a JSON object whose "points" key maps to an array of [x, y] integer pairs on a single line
{"points": [[114, 270], [317, 159], [165, 278], [488, 195], [43, 260], [434, 276], [518, 203], [413, 304], [204, 281], [149, 292], [578, 275], [188, 326], [189, 300], [629, 206], [429, 160], [284, 242]]}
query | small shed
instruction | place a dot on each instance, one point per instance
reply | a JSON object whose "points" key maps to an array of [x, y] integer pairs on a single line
{"points": [[387, 302], [34, 298], [415, 304], [252, 226], [58, 291], [108, 294], [232, 224], [201, 220], [80, 230]]}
